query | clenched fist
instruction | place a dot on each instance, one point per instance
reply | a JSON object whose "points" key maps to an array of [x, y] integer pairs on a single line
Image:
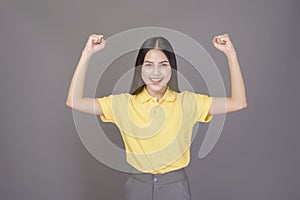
{"points": [[94, 44], [223, 43]]}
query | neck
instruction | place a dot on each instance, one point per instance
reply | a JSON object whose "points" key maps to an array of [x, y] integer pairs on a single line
{"points": [[158, 94]]}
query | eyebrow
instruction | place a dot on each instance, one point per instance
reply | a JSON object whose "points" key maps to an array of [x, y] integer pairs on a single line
{"points": [[159, 62]]}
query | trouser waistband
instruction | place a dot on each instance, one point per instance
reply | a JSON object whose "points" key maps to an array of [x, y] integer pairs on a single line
{"points": [[166, 178]]}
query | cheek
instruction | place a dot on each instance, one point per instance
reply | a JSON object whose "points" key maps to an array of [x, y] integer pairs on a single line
{"points": [[145, 73], [167, 72], [146, 70]]}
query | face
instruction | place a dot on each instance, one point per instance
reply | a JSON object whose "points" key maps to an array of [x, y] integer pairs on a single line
{"points": [[156, 70]]}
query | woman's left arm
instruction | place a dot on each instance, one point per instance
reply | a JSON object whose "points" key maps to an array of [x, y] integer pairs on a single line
{"points": [[238, 99]]}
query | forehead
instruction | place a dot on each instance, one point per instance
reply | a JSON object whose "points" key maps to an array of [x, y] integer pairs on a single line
{"points": [[155, 54]]}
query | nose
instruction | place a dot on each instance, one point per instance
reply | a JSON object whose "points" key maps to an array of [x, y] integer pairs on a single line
{"points": [[156, 69]]}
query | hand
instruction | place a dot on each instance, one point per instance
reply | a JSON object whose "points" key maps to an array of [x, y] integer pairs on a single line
{"points": [[94, 44], [223, 43]]}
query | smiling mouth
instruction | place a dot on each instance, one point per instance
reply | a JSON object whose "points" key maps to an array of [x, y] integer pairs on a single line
{"points": [[156, 80]]}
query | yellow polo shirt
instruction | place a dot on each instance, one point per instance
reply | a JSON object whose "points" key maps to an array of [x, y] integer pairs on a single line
{"points": [[157, 135]]}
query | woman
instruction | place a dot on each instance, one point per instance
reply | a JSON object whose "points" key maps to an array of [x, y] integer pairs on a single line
{"points": [[155, 119]]}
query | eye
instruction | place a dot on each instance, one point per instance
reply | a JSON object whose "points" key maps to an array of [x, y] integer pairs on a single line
{"points": [[164, 65]]}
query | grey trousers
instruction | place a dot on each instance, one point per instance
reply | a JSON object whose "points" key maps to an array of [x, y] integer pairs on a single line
{"points": [[172, 185]]}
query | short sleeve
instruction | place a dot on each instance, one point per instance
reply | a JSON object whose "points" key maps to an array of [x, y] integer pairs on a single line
{"points": [[203, 104], [106, 106]]}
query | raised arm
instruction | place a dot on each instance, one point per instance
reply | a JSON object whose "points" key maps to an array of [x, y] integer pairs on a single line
{"points": [[75, 98], [238, 99]]}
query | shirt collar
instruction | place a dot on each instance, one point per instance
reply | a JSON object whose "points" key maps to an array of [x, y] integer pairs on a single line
{"points": [[145, 96]]}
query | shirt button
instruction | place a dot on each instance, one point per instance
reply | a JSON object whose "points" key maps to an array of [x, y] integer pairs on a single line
{"points": [[155, 179]]}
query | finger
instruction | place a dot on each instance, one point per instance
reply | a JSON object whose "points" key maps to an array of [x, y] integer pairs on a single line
{"points": [[220, 40], [100, 38], [94, 38], [224, 37], [97, 40], [215, 39], [216, 43]]}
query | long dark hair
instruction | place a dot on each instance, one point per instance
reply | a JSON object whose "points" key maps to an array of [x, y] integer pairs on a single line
{"points": [[165, 46]]}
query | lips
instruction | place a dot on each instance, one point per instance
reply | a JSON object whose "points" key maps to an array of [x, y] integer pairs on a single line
{"points": [[156, 81]]}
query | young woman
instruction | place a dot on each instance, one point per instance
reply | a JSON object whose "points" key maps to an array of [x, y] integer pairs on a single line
{"points": [[155, 119]]}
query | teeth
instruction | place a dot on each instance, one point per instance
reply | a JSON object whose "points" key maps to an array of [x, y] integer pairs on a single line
{"points": [[155, 79]]}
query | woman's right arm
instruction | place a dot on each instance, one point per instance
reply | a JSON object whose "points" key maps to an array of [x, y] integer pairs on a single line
{"points": [[75, 98]]}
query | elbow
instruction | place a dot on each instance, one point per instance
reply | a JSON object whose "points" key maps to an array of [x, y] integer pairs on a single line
{"points": [[69, 104], [242, 105]]}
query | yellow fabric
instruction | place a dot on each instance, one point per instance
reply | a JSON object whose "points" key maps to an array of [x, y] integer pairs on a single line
{"points": [[157, 135]]}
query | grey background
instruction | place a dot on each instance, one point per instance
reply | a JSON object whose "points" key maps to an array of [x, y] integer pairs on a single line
{"points": [[41, 154]]}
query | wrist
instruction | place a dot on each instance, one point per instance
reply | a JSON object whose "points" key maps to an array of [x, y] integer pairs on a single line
{"points": [[230, 54], [87, 54]]}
